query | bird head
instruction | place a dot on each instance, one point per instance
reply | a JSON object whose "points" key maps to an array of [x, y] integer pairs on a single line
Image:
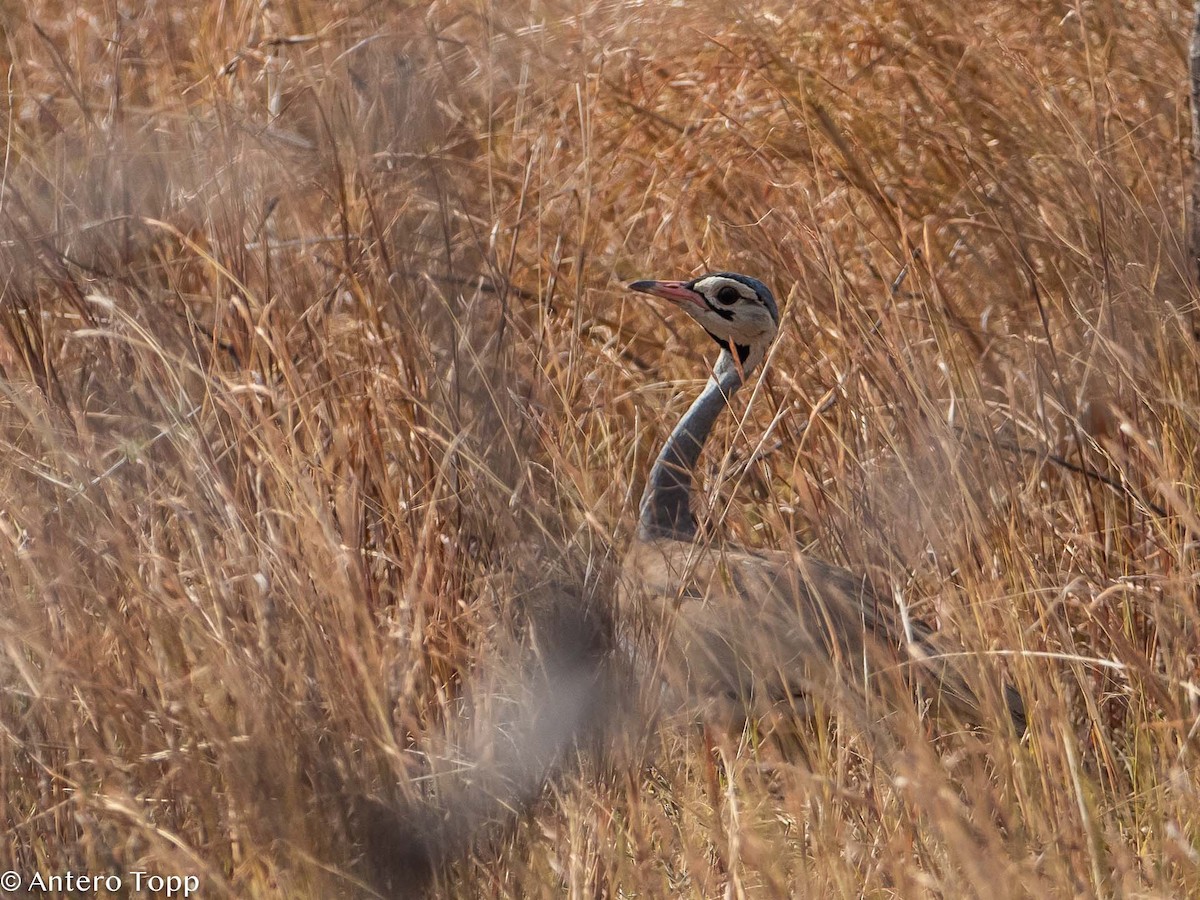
{"points": [[737, 311]]}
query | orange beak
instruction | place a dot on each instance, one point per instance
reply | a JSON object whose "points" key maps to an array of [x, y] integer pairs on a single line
{"points": [[675, 291]]}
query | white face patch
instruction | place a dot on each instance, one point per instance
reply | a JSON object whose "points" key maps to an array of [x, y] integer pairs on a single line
{"points": [[732, 313], [712, 286]]}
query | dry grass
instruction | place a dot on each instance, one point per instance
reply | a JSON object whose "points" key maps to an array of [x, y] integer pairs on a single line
{"points": [[321, 389]]}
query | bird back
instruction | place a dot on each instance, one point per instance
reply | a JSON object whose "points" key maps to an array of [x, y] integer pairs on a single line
{"points": [[748, 632]]}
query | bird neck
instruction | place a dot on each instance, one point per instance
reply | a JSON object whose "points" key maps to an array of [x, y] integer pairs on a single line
{"points": [[666, 510]]}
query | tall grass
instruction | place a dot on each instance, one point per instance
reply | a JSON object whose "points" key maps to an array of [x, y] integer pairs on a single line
{"points": [[324, 411]]}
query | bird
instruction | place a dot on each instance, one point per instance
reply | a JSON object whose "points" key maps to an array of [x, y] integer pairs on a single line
{"points": [[744, 633]]}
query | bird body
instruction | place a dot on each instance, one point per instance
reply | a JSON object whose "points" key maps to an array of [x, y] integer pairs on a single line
{"points": [[748, 633], [740, 632]]}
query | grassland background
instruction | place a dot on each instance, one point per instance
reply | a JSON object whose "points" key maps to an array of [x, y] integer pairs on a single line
{"points": [[318, 377]]}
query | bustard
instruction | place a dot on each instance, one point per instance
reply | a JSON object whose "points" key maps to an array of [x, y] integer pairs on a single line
{"points": [[745, 632]]}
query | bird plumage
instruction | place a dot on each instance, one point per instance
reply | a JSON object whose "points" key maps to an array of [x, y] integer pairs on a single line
{"points": [[743, 632]]}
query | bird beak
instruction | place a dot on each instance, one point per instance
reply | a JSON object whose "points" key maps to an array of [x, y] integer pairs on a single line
{"points": [[675, 291]]}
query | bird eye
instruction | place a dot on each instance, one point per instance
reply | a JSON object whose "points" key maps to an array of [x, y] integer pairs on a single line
{"points": [[728, 295]]}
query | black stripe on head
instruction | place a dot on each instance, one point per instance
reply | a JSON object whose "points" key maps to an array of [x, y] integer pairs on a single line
{"points": [[726, 314]]}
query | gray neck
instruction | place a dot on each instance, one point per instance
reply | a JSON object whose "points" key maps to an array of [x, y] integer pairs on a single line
{"points": [[665, 505]]}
